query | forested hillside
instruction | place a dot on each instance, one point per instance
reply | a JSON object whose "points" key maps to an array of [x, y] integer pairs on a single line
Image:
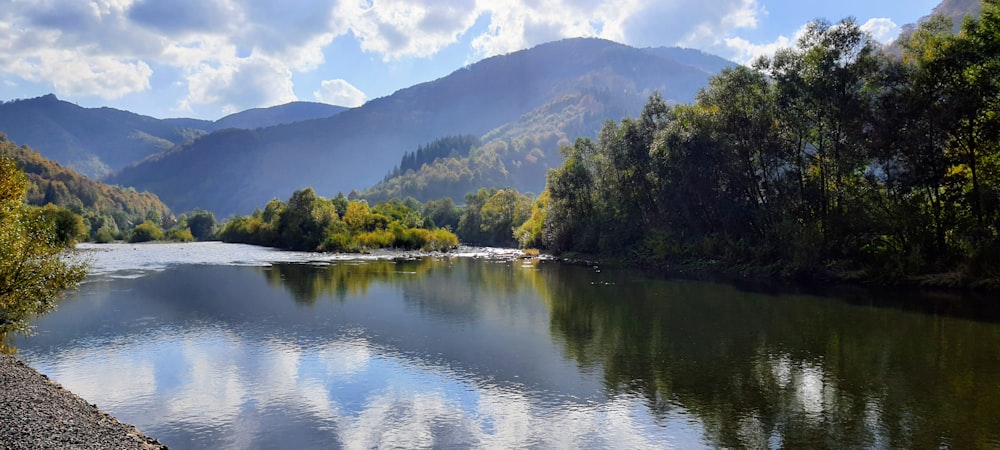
{"points": [[106, 210], [517, 154], [234, 171]]}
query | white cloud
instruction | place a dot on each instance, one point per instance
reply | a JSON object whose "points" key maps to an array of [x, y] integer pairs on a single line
{"points": [[341, 93], [397, 28], [745, 52], [235, 54], [241, 83], [882, 29]]}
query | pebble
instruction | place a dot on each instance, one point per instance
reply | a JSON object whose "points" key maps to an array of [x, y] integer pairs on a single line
{"points": [[36, 413]]}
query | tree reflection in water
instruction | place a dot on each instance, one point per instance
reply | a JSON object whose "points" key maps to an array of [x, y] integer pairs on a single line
{"points": [[758, 370], [783, 370]]}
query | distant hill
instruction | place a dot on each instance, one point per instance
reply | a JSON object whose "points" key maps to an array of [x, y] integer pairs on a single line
{"points": [[233, 171], [278, 115], [113, 207], [519, 154], [98, 141], [696, 58], [94, 141]]}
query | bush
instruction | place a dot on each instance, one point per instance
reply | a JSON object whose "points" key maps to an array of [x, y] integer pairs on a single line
{"points": [[441, 240], [374, 239], [104, 235], [337, 242], [180, 235], [145, 232]]}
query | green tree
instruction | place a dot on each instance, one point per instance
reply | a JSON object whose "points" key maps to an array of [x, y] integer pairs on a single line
{"points": [[33, 274], [202, 224], [529, 233], [442, 213], [67, 226], [500, 216]]}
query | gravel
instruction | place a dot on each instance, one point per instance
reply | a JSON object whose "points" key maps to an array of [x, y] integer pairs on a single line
{"points": [[36, 413]]}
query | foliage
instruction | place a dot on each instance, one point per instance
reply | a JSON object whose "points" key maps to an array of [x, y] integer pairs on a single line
{"points": [[201, 224], [312, 223], [145, 232], [491, 216], [829, 159], [517, 154], [107, 211], [529, 234], [33, 274], [67, 226]]}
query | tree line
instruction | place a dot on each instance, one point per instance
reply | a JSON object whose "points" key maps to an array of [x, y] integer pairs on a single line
{"points": [[309, 222], [828, 159]]}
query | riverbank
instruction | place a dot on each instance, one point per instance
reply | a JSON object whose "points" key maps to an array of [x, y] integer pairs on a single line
{"points": [[780, 277], [36, 413]]}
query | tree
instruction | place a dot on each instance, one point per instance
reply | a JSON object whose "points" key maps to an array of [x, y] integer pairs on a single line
{"points": [[33, 274], [502, 214], [202, 224], [67, 226]]}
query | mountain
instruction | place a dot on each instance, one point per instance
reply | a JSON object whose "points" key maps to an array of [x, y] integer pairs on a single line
{"points": [[113, 208], [232, 171], [956, 10], [692, 57], [98, 141], [94, 141], [278, 115]]}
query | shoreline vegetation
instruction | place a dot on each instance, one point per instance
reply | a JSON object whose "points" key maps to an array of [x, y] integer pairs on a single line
{"points": [[829, 162], [308, 222]]}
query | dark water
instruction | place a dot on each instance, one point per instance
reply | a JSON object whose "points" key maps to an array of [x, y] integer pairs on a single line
{"points": [[466, 352]]}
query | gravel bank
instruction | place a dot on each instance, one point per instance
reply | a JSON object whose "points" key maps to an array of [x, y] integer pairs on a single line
{"points": [[36, 413]]}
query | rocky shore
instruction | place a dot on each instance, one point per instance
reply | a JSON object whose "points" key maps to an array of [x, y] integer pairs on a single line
{"points": [[36, 413]]}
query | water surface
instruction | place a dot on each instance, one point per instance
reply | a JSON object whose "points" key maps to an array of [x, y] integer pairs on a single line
{"points": [[228, 346]]}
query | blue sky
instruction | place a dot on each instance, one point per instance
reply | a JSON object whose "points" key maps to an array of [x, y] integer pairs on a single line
{"points": [[209, 58]]}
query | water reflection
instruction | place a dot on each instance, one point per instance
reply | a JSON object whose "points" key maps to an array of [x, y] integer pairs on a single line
{"points": [[795, 371], [459, 352]]}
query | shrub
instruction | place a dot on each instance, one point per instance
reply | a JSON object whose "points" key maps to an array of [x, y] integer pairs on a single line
{"points": [[146, 231]]}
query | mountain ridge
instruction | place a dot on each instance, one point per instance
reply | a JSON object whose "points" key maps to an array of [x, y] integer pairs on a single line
{"points": [[355, 148], [99, 141]]}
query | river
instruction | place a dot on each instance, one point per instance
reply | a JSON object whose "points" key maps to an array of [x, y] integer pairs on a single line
{"points": [[229, 346]]}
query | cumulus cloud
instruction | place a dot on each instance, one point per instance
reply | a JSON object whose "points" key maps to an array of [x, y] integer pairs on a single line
{"points": [[704, 24], [882, 29], [341, 93], [244, 53], [397, 28], [745, 52], [241, 83]]}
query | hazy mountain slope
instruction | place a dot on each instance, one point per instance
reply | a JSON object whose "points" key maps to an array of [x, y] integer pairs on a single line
{"points": [[94, 141], [519, 154], [238, 170], [697, 58], [954, 9], [278, 115]]}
